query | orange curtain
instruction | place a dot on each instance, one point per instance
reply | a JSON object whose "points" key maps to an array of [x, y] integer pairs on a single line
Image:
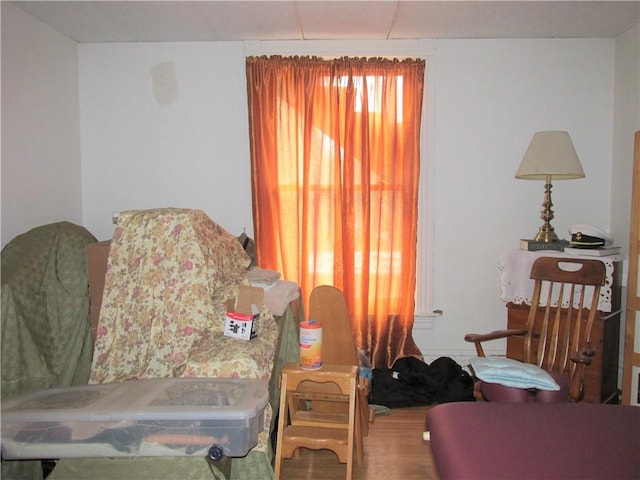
{"points": [[335, 148]]}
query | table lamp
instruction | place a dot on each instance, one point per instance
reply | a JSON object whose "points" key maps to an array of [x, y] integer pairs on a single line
{"points": [[550, 156]]}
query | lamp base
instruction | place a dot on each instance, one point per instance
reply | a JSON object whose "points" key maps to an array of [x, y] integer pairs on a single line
{"points": [[546, 234]]}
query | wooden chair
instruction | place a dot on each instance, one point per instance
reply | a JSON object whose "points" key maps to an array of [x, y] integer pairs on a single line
{"points": [[556, 339], [316, 405], [316, 428]]}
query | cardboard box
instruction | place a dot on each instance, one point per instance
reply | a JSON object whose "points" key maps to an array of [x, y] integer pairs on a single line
{"points": [[243, 315], [97, 256]]}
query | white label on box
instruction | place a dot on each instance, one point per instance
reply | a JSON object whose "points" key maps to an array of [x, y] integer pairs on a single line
{"points": [[241, 325]]}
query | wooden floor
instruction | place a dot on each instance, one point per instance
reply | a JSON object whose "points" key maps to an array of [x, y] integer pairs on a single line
{"points": [[393, 450]]}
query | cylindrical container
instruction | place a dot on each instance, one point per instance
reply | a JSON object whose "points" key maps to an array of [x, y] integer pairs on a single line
{"points": [[311, 345]]}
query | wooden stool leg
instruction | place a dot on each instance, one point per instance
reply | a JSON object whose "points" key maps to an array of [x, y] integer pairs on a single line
{"points": [[353, 420], [359, 435], [282, 420]]}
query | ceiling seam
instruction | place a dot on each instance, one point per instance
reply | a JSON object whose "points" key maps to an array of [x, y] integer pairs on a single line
{"points": [[393, 21], [298, 19]]}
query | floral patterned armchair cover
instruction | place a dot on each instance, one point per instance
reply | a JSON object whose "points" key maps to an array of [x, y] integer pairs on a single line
{"points": [[169, 275]]}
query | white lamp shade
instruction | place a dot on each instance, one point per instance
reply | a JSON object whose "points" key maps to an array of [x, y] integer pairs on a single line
{"points": [[550, 154]]}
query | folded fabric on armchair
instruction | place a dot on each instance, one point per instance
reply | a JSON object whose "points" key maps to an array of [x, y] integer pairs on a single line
{"points": [[169, 274]]}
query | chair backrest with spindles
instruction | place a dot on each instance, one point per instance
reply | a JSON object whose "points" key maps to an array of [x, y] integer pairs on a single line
{"points": [[567, 291]]}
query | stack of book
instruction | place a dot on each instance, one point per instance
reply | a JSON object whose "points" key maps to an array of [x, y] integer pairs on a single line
{"points": [[534, 246], [567, 247], [594, 252], [585, 240]]}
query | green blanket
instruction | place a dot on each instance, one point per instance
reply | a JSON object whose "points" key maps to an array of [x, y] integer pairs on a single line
{"points": [[45, 316]]}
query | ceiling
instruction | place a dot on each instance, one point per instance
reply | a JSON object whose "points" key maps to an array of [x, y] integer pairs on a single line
{"points": [[163, 21]]}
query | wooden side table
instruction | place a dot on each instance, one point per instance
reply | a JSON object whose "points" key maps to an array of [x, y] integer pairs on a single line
{"points": [[307, 418]]}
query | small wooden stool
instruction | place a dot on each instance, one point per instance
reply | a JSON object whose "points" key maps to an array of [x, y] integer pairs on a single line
{"points": [[307, 419]]}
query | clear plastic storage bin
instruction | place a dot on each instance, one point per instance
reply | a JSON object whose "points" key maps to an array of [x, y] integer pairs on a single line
{"points": [[158, 417]]}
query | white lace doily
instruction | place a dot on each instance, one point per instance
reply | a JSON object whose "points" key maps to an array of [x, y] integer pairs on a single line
{"points": [[517, 287]]}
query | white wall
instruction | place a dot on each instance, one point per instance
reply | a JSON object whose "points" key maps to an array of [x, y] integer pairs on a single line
{"points": [[490, 97], [140, 152], [40, 125]]}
